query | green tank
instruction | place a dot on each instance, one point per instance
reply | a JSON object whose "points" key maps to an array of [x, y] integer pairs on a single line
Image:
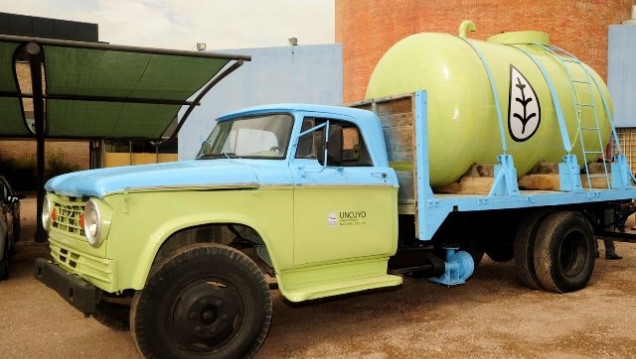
{"points": [[462, 114]]}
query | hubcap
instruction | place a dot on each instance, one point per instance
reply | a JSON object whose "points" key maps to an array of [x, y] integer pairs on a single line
{"points": [[206, 315]]}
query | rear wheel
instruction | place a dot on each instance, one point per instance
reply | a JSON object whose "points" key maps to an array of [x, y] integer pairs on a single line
{"points": [[524, 249], [564, 252], [205, 301]]}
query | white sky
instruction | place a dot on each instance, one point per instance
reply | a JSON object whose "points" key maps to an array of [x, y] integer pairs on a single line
{"points": [[180, 24]]}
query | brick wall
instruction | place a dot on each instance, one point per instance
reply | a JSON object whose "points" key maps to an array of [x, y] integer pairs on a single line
{"points": [[74, 153], [367, 28]]}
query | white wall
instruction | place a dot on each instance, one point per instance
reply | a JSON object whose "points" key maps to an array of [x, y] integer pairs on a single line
{"points": [[621, 73], [304, 74]]}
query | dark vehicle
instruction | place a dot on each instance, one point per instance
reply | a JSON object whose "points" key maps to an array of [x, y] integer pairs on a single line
{"points": [[9, 224]]}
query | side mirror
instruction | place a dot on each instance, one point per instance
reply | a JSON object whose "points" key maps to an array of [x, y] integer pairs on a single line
{"points": [[334, 147]]}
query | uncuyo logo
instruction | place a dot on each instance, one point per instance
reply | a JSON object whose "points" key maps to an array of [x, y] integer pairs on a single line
{"points": [[332, 219]]}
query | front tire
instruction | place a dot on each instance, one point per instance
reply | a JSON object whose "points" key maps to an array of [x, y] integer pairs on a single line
{"points": [[113, 315], [564, 252], [205, 301]]}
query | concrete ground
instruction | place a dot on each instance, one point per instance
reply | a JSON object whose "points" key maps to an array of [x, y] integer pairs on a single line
{"points": [[492, 316]]}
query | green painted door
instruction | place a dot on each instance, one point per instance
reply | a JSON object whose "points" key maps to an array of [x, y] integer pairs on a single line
{"points": [[341, 212]]}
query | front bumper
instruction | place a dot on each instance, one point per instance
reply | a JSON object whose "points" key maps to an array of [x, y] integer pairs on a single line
{"points": [[79, 293]]}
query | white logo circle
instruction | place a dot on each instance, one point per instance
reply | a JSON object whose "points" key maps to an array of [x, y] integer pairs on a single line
{"points": [[332, 219]]}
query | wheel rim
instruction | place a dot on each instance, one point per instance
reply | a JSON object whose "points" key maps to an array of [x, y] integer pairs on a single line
{"points": [[206, 315], [572, 253]]}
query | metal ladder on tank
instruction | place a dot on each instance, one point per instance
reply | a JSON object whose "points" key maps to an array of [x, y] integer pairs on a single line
{"points": [[577, 86]]}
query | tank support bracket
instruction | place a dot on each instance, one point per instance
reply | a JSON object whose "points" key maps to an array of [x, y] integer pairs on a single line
{"points": [[570, 174], [505, 183], [621, 173]]}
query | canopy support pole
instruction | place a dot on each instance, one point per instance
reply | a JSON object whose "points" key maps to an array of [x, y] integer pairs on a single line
{"points": [[34, 52], [219, 76]]}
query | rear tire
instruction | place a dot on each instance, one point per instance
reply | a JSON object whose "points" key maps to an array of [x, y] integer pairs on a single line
{"points": [[564, 252], [205, 301], [525, 240]]}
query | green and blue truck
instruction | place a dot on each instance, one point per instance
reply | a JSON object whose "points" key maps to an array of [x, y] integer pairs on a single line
{"points": [[495, 147]]}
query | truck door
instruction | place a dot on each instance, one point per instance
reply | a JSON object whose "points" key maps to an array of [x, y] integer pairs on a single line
{"points": [[340, 211]]}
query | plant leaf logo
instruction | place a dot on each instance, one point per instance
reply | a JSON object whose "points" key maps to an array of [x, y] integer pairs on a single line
{"points": [[524, 110]]}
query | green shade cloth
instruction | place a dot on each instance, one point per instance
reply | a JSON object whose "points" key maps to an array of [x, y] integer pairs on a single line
{"points": [[7, 77], [11, 117], [91, 119], [102, 92], [11, 120], [111, 73], [76, 71]]}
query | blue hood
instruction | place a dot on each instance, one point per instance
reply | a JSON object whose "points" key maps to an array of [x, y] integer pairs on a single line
{"points": [[100, 182]]}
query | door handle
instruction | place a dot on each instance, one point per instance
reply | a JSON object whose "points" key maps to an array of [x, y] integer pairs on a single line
{"points": [[382, 175]]}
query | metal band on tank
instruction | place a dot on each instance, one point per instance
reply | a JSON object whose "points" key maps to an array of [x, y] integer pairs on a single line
{"points": [[493, 87], [567, 145]]}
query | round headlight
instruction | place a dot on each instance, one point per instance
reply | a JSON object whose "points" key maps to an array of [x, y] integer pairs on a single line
{"points": [[92, 223], [46, 213]]}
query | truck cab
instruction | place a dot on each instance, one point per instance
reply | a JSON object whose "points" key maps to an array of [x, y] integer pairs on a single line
{"points": [[303, 193]]}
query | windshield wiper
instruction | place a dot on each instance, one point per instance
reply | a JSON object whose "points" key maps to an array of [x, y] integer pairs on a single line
{"points": [[217, 155]]}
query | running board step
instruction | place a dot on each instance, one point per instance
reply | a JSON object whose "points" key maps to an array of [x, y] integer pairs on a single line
{"points": [[335, 279]]}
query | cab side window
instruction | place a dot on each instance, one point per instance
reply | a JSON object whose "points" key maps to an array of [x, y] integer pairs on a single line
{"points": [[306, 147], [354, 149]]}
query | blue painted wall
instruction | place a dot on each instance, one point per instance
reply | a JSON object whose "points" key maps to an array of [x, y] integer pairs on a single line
{"points": [[621, 73], [305, 74]]}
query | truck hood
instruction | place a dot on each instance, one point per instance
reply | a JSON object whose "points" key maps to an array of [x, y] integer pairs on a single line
{"points": [[198, 174]]}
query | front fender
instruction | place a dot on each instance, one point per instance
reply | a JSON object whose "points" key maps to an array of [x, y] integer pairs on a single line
{"points": [[144, 221], [165, 231]]}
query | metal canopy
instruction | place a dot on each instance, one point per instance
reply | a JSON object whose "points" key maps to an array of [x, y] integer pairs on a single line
{"points": [[101, 91], [96, 91]]}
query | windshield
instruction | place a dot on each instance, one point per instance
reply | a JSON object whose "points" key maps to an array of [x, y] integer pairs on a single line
{"points": [[254, 137]]}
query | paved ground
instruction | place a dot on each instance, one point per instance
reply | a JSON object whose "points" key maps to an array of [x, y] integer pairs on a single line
{"points": [[492, 316]]}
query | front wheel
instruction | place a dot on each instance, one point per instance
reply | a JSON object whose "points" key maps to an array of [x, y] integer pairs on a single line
{"points": [[205, 301], [113, 315]]}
